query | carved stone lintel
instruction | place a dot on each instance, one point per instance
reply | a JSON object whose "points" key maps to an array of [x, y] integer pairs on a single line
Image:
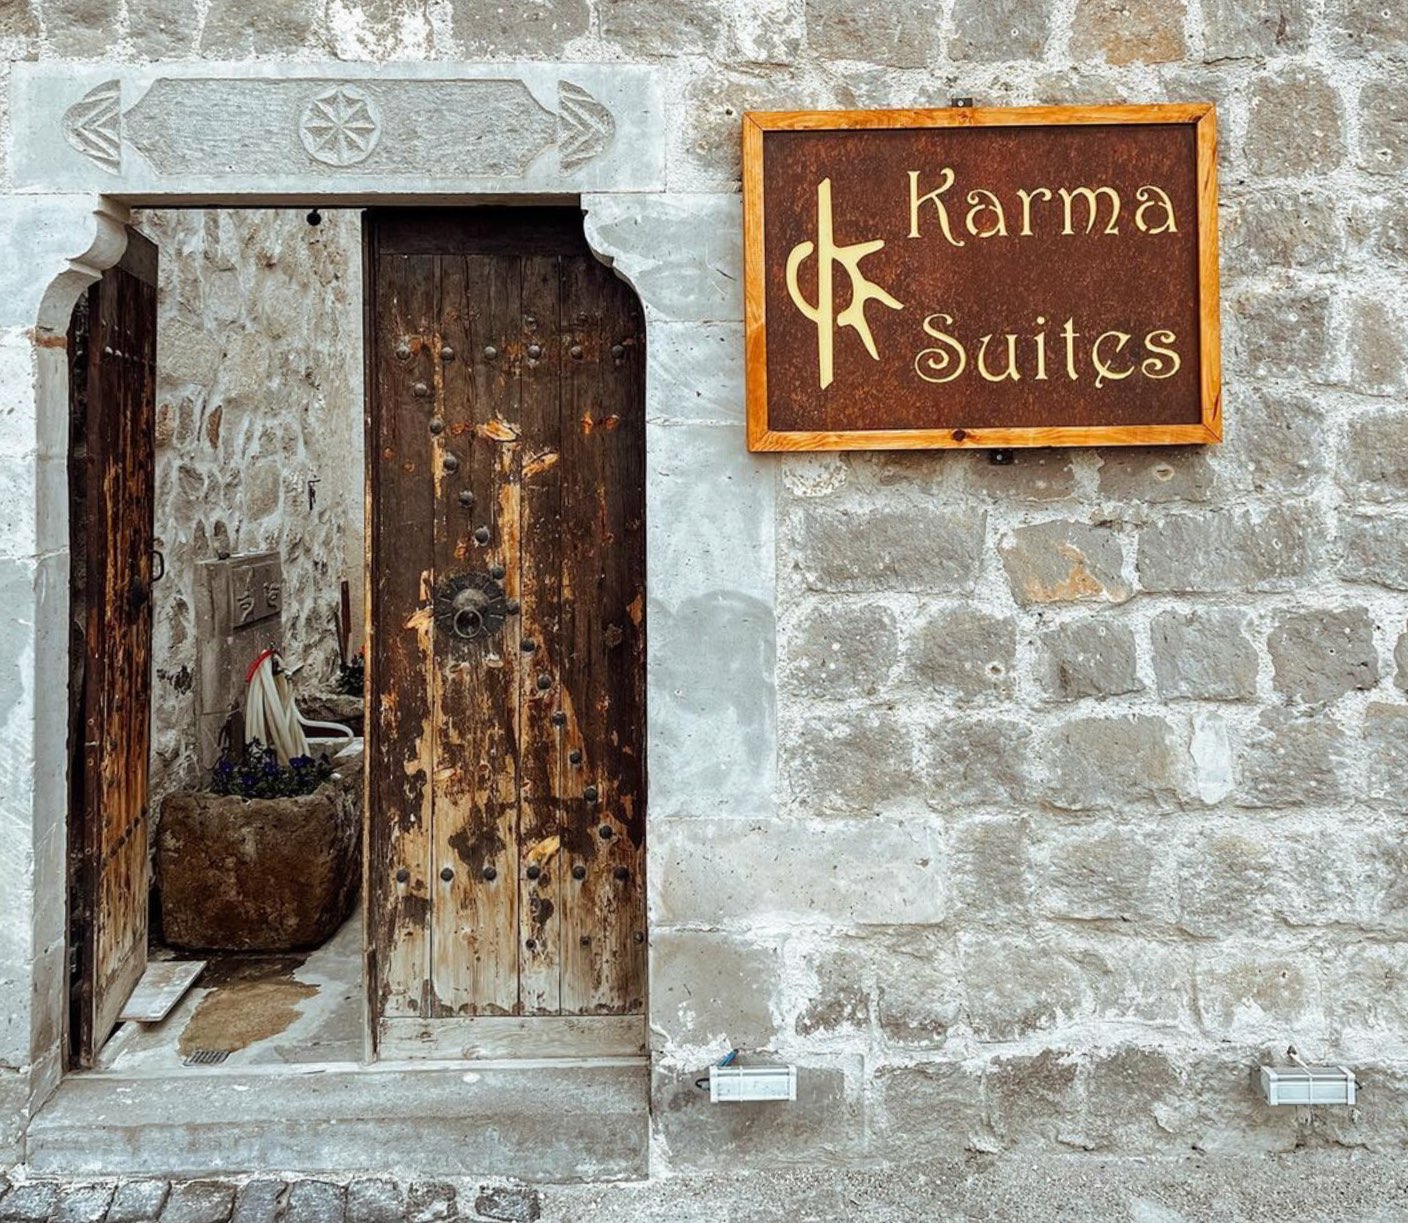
{"points": [[226, 129]]}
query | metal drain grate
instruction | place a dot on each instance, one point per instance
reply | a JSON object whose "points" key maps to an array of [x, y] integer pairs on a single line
{"points": [[205, 1057]]}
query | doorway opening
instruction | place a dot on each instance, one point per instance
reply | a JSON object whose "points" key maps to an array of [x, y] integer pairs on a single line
{"points": [[501, 387]]}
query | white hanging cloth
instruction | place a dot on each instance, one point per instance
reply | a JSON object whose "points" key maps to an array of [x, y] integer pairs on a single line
{"points": [[270, 715]]}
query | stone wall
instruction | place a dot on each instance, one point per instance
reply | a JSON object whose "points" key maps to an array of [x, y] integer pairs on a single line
{"points": [[259, 394], [1088, 789]]}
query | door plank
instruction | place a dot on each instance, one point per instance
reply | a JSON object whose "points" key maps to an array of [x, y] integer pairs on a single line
{"points": [[539, 566], [401, 652], [474, 915], [112, 461], [604, 641], [472, 1037]]}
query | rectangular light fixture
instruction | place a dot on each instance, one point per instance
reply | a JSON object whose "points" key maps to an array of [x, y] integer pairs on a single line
{"points": [[1308, 1084], [737, 1084]]}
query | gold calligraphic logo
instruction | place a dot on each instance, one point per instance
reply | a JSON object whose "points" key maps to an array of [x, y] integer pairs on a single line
{"points": [[822, 312]]}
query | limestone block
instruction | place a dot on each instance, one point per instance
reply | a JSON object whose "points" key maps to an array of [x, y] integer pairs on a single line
{"points": [[1106, 873], [706, 147], [1128, 31], [860, 548], [695, 374], [712, 739], [1228, 882], [1273, 229], [1245, 29], [972, 762], [1088, 658], [990, 869], [81, 28], [1381, 225], [769, 31], [662, 27], [1366, 989], [709, 988], [1375, 550], [845, 983], [1320, 655], [839, 651], [14, 1114], [1386, 752], [748, 872], [1065, 562], [1368, 27], [259, 874], [1383, 132], [1400, 661], [1230, 550], [931, 1105], [1374, 461], [824, 1126], [19, 21], [963, 654], [1115, 762], [919, 990], [1001, 30], [1378, 351], [874, 31], [1017, 986], [683, 254], [862, 763], [1155, 475], [1259, 993], [1295, 124], [538, 28], [237, 28], [1032, 475], [1136, 1099], [1282, 332], [1204, 655], [162, 29], [1279, 440], [1287, 761], [1031, 1096]]}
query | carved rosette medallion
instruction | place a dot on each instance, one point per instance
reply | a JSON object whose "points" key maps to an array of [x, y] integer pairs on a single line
{"points": [[341, 126]]}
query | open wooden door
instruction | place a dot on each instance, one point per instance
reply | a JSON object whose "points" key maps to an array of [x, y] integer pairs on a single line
{"points": [[112, 380], [506, 438]]}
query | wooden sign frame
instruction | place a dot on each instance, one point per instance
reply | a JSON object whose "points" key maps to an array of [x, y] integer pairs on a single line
{"points": [[761, 437]]}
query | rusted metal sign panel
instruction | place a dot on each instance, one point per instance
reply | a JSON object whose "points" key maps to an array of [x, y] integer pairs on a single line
{"points": [[1043, 276], [506, 765]]}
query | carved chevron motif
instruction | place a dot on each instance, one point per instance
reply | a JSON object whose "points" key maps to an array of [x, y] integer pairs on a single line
{"points": [[93, 125], [584, 126]]}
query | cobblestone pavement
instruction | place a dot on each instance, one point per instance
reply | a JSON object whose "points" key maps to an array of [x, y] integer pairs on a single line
{"points": [[1324, 1186], [367, 1200]]}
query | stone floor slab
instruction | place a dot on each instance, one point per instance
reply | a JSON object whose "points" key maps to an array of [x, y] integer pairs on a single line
{"points": [[558, 1122]]}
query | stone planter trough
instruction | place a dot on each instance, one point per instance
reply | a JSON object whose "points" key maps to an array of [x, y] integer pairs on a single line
{"points": [[263, 874]]}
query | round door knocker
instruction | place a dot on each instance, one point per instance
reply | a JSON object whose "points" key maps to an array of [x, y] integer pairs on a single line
{"points": [[471, 606]]}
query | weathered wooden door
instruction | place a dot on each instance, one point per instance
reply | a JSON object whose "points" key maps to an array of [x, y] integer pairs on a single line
{"points": [[112, 381], [506, 758]]}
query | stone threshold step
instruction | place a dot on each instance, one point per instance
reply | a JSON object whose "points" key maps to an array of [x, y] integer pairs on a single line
{"points": [[551, 1123]]}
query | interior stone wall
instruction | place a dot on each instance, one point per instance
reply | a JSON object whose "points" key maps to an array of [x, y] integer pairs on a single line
{"points": [[259, 396], [1089, 792]]}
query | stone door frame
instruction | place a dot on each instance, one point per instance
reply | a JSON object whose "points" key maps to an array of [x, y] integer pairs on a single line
{"points": [[711, 719]]}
